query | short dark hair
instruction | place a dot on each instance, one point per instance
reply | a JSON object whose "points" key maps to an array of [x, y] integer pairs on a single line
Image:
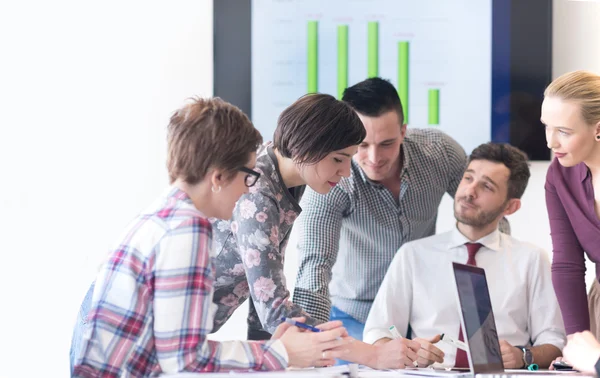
{"points": [[209, 133], [315, 126], [374, 97], [513, 158]]}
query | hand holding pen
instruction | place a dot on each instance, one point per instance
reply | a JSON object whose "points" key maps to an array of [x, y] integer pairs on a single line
{"points": [[427, 353], [397, 353], [319, 347]]}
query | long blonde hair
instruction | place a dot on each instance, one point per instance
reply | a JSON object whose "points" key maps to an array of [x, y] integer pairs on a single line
{"points": [[581, 87]]}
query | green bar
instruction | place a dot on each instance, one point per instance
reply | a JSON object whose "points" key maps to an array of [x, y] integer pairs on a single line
{"points": [[403, 76], [342, 59], [373, 49], [434, 106], [313, 56]]}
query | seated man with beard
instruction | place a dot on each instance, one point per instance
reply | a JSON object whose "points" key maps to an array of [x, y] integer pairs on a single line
{"points": [[417, 294]]}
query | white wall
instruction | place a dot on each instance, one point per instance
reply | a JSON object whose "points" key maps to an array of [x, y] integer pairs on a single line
{"points": [[86, 91], [576, 36]]}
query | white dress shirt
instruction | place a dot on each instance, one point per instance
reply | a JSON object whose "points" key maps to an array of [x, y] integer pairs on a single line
{"points": [[419, 290]]}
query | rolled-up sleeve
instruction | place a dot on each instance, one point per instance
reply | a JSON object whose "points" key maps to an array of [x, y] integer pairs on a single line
{"points": [[319, 228], [390, 304]]}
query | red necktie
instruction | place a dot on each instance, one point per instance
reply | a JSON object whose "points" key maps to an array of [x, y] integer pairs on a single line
{"points": [[461, 356]]}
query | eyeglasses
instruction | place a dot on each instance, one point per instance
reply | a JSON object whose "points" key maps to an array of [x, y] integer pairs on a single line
{"points": [[251, 177]]}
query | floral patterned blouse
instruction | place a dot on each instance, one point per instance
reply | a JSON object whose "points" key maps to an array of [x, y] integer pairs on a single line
{"points": [[250, 250]]}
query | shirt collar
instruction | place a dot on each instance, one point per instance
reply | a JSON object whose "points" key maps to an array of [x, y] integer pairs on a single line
{"points": [[491, 240], [178, 194], [403, 159], [364, 177]]}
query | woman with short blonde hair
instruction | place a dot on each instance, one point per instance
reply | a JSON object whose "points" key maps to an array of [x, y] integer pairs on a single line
{"points": [[571, 115]]}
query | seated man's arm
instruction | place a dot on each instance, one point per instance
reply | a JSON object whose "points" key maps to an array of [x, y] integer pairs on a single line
{"points": [[391, 307], [513, 357], [546, 327], [543, 355], [318, 227]]}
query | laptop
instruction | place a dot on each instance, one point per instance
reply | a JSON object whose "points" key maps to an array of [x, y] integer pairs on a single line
{"points": [[479, 326]]}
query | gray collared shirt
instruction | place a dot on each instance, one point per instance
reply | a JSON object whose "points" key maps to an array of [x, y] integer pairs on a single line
{"points": [[348, 238]]}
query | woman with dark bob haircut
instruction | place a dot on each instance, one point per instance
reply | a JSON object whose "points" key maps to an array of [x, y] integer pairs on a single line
{"points": [[313, 145]]}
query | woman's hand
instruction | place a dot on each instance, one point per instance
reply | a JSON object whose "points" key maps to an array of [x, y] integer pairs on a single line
{"points": [[306, 348], [582, 351]]}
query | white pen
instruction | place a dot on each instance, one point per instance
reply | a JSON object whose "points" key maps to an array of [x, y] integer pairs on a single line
{"points": [[397, 335], [395, 332], [457, 343]]}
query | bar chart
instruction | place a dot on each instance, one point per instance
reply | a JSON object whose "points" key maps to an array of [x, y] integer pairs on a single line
{"points": [[372, 67], [426, 49]]}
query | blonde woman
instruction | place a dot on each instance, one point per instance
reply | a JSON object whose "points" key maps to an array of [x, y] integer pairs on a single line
{"points": [[571, 115]]}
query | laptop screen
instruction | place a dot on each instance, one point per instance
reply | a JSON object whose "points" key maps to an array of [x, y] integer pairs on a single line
{"points": [[478, 319]]}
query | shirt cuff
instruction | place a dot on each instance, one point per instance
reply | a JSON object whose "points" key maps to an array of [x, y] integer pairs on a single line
{"points": [[552, 337], [375, 334], [316, 305], [276, 357]]}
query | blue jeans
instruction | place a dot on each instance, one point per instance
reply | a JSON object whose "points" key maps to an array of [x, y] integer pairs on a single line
{"points": [[80, 325], [354, 327]]}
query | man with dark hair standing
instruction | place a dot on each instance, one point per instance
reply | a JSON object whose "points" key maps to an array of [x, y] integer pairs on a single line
{"points": [[417, 288], [349, 237]]}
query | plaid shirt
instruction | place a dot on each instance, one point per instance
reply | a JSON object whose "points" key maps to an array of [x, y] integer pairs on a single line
{"points": [[348, 238], [152, 306]]}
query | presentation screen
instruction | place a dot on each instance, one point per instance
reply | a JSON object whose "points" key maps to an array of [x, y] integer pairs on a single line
{"points": [[475, 69]]}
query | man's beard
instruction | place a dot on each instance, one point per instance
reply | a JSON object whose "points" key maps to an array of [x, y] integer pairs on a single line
{"points": [[480, 220]]}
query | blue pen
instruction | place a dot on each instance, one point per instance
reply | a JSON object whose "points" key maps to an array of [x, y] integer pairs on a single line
{"points": [[300, 324]]}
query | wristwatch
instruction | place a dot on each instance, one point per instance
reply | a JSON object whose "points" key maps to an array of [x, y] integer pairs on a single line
{"points": [[527, 356]]}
